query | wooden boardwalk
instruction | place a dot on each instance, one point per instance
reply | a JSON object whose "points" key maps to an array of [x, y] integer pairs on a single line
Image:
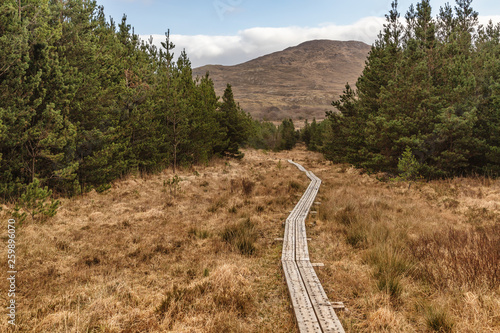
{"points": [[313, 310]]}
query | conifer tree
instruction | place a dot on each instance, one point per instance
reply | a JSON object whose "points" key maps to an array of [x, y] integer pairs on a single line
{"points": [[432, 91], [15, 89], [236, 124], [287, 134]]}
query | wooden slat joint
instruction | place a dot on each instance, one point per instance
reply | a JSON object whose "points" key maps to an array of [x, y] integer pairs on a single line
{"points": [[338, 305]]}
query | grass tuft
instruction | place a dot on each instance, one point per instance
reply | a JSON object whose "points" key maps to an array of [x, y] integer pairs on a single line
{"points": [[347, 216], [198, 233], [247, 186], [438, 320], [241, 236], [390, 266]]}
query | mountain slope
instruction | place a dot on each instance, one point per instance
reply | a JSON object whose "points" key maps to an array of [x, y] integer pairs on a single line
{"points": [[298, 82]]}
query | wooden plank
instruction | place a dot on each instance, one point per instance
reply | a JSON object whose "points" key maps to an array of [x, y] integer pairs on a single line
{"points": [[318, 264], [338, 305], [325, 313], [313, 311], [304, 311], [288, 251]]}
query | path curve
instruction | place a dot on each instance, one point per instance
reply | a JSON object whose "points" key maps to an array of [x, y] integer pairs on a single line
{"points": [[313, 310]]}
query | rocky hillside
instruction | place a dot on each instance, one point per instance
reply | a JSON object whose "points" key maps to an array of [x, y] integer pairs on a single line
{"points": [[298, 82]]}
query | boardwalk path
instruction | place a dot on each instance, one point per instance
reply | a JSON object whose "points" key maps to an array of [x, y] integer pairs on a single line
{"points": [[313, 311]]}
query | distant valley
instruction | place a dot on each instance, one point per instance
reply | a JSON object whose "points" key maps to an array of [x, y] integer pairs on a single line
{"points": [[299, 82]]}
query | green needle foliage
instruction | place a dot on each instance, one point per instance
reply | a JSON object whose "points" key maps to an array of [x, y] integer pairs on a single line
{"points": [[430, 86], [84, 101], [408, 166], [35, 203]]}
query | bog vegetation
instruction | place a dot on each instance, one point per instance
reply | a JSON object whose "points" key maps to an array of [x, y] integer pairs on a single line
{"points": [[85, 102], [201, 256]]}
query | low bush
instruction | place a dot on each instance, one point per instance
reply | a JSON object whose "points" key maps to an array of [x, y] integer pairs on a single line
{"points": [[35, 202]]}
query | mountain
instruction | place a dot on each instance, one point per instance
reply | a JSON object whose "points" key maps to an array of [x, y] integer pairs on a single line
{"points": [[298, 82]]}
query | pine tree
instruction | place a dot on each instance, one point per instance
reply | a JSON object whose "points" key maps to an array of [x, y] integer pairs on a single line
{"points": [[15, 89], [287, 134], [487, 128], [205, 132], [236, 124]]}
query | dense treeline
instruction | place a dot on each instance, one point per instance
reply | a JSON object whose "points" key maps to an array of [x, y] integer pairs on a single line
{"points": [[315, 134], [431, 85], [84, 101], [268, 136]]}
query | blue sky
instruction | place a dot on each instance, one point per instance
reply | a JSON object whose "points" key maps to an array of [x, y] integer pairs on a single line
{"points": [[233, 31]]}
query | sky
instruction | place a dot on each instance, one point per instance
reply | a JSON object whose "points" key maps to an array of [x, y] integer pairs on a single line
{"points": [[229, 32]]}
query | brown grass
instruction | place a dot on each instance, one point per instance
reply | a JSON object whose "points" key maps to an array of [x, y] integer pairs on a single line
{"points": [[145, 257], [418, 260], [141, 258]]}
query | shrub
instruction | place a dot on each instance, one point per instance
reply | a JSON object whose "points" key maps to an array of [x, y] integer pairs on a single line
{"points": [[246, 185], [173, 185], [460, 257], [293, 186], [35, 203]]}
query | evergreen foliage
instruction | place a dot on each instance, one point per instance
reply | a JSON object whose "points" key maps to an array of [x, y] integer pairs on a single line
{"points": [[315, 134], [408, 166], [430, 86], [84, 101], [35, 203], [236, 124], [288, 135], [266, 135]]}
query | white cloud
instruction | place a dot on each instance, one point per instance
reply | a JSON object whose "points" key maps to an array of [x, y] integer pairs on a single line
{"points": [[252, 43], [486, 19]]}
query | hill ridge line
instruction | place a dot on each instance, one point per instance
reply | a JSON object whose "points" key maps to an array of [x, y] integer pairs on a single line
{"points": [[299, 82]]}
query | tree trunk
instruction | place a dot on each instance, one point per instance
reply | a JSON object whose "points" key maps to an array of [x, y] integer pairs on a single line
{"points": [[175, 156], [175, 144]]}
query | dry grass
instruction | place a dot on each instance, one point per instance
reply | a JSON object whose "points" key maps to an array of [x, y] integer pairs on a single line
{"points": [[145, 257], [424, 259]]}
